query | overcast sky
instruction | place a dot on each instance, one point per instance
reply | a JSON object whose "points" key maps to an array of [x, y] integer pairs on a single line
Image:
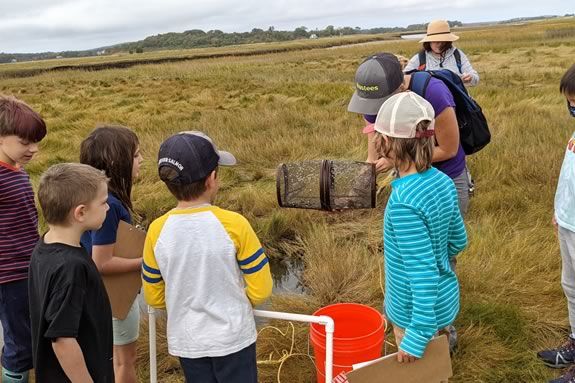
{"points": [[57, 25]]}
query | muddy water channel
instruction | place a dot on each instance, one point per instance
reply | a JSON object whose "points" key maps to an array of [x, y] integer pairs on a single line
{"points": [[286, 274]]}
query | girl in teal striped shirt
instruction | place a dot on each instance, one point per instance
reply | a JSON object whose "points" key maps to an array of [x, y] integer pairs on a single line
{"points": [[423, 228]]}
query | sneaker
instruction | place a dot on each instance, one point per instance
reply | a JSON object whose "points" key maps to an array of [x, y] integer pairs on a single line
{"points": [[14, 377], [452, 338], [559, 357], [451, 334], [568, 377]]}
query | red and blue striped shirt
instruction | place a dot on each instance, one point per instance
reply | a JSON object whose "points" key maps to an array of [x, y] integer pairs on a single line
{"points": [[18, 223]]}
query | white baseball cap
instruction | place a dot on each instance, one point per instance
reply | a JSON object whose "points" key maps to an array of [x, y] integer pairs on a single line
{"points": [[401, 113]]}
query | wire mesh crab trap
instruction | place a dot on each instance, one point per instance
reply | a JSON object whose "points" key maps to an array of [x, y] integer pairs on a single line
{"points": [[326, 185]]}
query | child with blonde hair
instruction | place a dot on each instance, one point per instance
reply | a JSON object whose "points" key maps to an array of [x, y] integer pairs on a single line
{"points": [[423, 228], [70, 311]]}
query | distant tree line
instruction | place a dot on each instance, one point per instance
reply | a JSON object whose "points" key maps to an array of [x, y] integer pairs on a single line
{"points": [[197, 38]]}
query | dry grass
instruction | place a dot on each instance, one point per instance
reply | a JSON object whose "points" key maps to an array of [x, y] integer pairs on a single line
{"points": [[291, 106]]}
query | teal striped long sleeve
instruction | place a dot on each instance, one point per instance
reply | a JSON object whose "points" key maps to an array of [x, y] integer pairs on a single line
{"points": [[423, 229]]}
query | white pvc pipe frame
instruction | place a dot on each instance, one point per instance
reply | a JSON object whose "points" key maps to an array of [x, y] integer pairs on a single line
{"points": [[322, 319]]}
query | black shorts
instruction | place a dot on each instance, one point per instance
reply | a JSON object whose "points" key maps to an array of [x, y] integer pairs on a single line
{"points": [[239, 367]]}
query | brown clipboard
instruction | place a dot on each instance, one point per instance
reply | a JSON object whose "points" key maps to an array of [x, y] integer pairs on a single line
{"points": [[123, 288], [434, 367]]}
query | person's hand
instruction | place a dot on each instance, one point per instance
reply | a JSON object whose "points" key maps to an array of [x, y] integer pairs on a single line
{"points": [[466, 78], [554, 222], [382, 165], [404, 357]]}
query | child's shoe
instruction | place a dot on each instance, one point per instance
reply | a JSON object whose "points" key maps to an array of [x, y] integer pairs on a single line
{"points": [[452, 332], [559, 357], [14, 377], [568, 377]]}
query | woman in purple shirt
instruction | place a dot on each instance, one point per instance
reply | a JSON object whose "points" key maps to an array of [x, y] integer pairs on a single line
{"points": [[379, 77]]}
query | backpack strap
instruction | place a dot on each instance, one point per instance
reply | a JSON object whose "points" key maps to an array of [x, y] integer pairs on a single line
{"points": [[422, 60], [419, 82], [457, 55]]}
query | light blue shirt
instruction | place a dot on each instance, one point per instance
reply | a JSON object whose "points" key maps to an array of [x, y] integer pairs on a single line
{"points": [[565, 195], [423, 230]]}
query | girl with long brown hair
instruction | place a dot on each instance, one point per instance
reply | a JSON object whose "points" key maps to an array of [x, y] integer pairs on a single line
{"points": [[116, 151]]}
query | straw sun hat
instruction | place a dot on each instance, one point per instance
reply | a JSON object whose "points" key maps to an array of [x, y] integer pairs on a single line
{"points": [[438, 30]]}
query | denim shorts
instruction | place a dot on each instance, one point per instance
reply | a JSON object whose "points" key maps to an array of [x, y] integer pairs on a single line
{"points": [[127, 330]]}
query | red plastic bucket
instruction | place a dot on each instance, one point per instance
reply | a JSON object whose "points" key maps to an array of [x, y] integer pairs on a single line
{"points": [[359, 335]]}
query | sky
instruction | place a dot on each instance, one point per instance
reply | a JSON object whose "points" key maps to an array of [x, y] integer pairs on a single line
{"points": [[57, 25]]}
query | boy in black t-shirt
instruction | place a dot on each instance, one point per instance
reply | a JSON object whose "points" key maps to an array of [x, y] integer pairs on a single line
{"points": [[70, 311]]}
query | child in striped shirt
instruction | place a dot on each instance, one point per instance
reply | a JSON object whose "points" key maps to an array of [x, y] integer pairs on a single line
{"points": [[423, 228], [21, 130]]}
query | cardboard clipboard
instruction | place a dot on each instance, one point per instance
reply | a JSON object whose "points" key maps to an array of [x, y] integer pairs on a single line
{"points": [[123, 288], [434, 367]]}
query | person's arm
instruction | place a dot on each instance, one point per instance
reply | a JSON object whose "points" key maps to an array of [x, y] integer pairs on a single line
{"points": [[446, 135], [103, 256], [470, 75], [457, 237], [66, 298], [554, 222], [253, 263], [103, 241], [71, 358], [152, 282], [416, 251], [412, 64]]}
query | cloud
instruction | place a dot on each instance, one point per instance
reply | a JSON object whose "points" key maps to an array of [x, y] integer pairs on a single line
{"points": [[40, 25]]}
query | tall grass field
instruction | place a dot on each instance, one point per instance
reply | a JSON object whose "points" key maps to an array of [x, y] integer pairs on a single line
{"points": [[290, 106]]}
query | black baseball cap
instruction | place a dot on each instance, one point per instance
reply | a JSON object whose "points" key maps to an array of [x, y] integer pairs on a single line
{"points": [[376, 79], [193, 156]]}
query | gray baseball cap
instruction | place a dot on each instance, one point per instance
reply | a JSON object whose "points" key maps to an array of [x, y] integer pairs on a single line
{"points": [[377, 78]]}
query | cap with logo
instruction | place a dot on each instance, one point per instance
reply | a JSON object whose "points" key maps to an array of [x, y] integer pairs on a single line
{"points": [[378, 77], [193, 155], [401, 113]]}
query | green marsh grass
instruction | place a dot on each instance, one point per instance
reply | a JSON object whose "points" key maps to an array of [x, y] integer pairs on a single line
{"points": [[291, 106]]}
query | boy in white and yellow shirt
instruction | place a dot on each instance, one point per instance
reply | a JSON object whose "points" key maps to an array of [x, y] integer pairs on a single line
{"points": [[206, 266]]}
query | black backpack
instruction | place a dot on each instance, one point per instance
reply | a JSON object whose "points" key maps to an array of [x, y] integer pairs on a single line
{"points": [[423, 60], [474, 132]]}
